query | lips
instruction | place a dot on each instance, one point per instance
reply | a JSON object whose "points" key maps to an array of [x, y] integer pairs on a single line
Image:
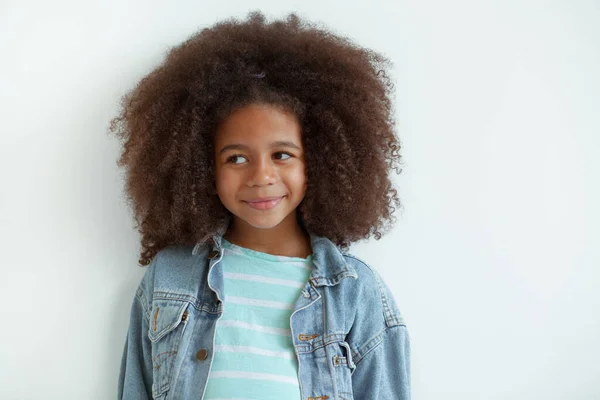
{"points": [[265, 203], [261, 199]]}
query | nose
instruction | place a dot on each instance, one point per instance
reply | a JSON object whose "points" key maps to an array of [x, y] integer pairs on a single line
{"points": [[263, 172]]}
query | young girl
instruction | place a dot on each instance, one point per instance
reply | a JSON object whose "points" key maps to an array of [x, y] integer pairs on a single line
{"points": [[255, 154]]}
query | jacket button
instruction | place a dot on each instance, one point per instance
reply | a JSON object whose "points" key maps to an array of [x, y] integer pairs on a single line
{"points": [[213, 254], [201, 354]]}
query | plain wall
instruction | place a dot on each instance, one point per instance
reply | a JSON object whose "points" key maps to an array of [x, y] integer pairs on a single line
{"points": [[494, 259]]}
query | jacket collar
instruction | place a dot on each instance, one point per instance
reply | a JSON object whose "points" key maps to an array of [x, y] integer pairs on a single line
{"points": [[329, 264]]}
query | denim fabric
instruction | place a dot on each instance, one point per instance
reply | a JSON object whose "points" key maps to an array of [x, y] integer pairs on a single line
{"points": [[350, 339]]}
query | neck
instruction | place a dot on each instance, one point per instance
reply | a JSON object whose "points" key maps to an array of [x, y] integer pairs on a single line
{"points": [[286, 239]]}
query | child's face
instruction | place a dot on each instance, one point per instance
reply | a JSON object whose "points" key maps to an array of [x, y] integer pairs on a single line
{"points": [[258, 154]]}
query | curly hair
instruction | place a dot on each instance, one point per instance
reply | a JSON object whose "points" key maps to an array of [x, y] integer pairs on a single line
{"points": [[339, 91]]}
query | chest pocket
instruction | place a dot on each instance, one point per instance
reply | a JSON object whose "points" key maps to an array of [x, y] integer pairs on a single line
{"points": [[167, 324]]}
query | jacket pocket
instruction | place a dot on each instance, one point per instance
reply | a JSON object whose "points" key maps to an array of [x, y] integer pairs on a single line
{"points": [[168, 319]]}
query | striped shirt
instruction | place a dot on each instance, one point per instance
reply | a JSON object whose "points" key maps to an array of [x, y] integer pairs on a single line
{"points": [[254, 354]]}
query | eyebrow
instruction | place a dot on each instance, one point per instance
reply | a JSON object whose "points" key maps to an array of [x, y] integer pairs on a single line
{"points": [[279, 143]]}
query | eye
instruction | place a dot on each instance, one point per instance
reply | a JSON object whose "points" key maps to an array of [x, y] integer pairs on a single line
{"points": [[233, 157], [284, 153]]}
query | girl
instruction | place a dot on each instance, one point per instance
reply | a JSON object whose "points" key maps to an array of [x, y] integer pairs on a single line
{"points": [[255, 154]]}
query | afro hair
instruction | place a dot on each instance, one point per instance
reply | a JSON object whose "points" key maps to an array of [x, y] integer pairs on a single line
{"points": [[339, 91]]}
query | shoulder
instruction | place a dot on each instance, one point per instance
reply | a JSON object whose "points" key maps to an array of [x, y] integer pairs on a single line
{"points": [[174, 270], [374, 309], [374, 290]]}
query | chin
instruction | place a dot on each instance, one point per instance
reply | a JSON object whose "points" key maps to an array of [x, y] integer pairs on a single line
{"points": [[257, 221], [266, 223]]}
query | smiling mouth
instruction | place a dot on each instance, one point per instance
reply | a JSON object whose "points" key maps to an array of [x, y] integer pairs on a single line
{"points": [[265, 205]]}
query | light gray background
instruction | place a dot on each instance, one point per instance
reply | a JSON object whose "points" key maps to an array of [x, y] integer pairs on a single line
{"points": [[495, 257]]}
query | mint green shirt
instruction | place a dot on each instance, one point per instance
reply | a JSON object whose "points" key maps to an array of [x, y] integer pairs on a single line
{"points": [[254, 355]]}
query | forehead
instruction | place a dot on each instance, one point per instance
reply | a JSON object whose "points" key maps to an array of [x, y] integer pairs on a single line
{"points": [[257, 124]]}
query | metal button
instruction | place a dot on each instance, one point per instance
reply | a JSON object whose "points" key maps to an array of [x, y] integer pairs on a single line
{"points": [[201, 354]]}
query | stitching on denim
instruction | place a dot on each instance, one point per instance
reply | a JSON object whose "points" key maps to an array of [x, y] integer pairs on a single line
{"points": [[327, 339], [206, 307], [139, 294], [391, 318], [165, 355], [387, 312], [334, 280], [369, 345], [381, 339], [160, 295]]}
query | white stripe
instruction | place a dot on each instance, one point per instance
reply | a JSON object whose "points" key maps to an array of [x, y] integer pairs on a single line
{"points": [[234, 251], [263, 279], [255, 327], [253, 375], [256, 350], [260, 303], [299, 264]]}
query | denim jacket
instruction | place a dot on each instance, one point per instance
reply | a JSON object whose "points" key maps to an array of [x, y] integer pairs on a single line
{"points": [[350, 339]]}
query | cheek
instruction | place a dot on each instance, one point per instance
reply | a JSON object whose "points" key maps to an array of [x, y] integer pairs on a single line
{"points": [[224, 181], [298, 179]]}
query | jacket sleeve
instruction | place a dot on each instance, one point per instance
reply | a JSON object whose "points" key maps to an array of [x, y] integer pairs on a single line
{"points": [[135, 376], [384, 372], [380, 344]]}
